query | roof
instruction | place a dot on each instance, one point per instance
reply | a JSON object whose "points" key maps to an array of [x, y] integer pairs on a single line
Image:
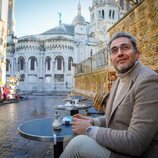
{"points": [[61, 29]]}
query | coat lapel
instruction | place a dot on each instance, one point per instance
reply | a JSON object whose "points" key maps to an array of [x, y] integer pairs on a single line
{"points": [[119, 99], [122, 94], [111, 98]]}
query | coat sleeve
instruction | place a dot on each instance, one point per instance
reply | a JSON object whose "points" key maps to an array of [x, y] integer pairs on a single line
{"points": [[143, 126]]}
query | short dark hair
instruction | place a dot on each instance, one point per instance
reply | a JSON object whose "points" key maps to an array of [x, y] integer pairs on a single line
{"points": [[123, 34]]}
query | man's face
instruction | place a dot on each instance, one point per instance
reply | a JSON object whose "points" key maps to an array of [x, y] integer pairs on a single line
{"points": [[122, 54]]}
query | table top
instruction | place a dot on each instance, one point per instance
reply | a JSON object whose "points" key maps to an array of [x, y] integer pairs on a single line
{"points": [[73, 106], [42, 130], [72, 98]]}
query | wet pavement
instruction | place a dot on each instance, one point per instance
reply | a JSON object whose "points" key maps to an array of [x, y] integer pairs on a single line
{"points": [[12, 145]]}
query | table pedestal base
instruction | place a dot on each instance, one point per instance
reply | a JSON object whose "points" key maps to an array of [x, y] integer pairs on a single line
{"points": [[73, 112], [58, 149]]}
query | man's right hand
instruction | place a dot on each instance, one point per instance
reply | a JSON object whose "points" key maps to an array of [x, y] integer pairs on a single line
{"points": [[82, 117]]}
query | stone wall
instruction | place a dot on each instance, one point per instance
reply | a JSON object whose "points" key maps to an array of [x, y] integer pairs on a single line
{"points": [[90, 83], [142, 22]]}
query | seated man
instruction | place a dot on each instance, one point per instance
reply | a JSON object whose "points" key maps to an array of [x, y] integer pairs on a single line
{"points": [[130, 128]]}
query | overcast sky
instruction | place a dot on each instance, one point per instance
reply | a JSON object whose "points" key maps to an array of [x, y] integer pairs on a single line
{"points": [[37, 16]]}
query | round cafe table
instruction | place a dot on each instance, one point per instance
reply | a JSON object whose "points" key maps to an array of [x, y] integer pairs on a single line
{"points": [[42, 130], [73, 108]]}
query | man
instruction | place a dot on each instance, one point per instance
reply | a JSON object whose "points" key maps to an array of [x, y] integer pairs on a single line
{"points": [[130, 126]]}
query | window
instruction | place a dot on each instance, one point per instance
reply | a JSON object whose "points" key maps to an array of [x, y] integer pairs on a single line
{"points": [[58, 78], [59, 62], [110, 14], [70, 60], [7, 65], [22, 77], [32, 63], [113, 14], [48, 63], [99, 12], [21, 63], [103, 14]]}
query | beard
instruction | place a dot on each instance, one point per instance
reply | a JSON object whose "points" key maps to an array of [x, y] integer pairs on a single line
{"points": [[124, 68]]}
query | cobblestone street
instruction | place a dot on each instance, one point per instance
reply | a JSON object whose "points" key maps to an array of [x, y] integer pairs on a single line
{"points": [[12, 145]]}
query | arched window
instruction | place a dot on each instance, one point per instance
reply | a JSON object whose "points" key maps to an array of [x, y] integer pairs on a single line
{"points": [[99, 14], [59, 63], [48, 63], [110, 14], [113, 14], [21, 63], [103, 14], [70, 61], [7, 65], [32, 63]]}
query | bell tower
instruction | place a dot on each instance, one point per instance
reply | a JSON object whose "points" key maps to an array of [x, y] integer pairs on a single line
{"points": [[103, 14]]}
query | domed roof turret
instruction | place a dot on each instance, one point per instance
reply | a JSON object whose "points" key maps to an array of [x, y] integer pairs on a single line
{"points": [[79, 19]]}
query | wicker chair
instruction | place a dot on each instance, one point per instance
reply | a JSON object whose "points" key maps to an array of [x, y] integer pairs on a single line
{"points": [[99, 104]]}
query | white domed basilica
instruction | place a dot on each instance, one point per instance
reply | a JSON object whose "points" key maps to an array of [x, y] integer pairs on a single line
{"points": [[44, 61]]}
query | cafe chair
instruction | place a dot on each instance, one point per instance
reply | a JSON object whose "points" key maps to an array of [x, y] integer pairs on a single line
{"points": [[99, 104]]}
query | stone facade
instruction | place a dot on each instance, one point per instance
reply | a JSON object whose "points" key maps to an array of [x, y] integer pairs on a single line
{"points": [[44, 61], [142, 22], [3, 36]]}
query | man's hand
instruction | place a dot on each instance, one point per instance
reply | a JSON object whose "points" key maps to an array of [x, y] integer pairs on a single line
{"points": [[80, 123], [82, 117]]}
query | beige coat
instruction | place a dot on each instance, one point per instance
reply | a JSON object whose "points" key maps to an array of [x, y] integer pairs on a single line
{"points": [[132, 123]]}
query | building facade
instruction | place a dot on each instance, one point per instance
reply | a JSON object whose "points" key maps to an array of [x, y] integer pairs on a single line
{"points": [[3, 39], [44, 61]]}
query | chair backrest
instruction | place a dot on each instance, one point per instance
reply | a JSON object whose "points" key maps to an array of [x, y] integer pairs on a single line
{"points": [[100, 100]]}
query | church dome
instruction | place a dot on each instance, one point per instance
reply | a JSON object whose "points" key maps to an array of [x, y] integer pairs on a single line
{"points": [[61, 29], [79, 19]]}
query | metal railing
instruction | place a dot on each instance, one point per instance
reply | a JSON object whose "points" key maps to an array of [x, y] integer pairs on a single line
{"points": [[96, 61]]}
